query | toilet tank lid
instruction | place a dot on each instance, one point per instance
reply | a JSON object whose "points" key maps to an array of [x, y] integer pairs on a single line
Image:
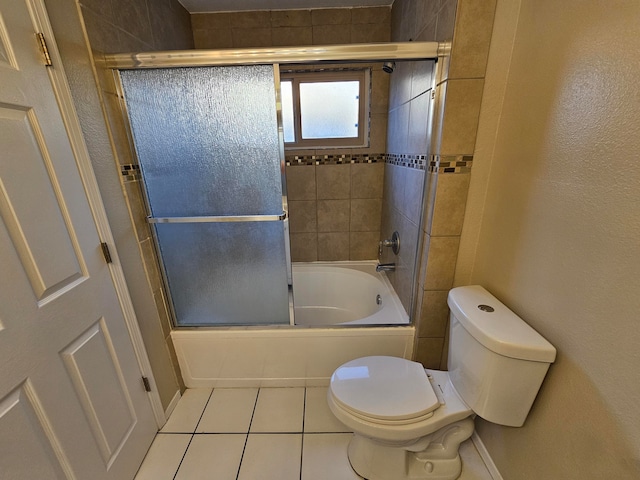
{"points": [[500, 330]]}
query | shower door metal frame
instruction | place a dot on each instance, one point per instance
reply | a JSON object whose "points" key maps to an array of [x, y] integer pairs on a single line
{"points": [[351, 53]]}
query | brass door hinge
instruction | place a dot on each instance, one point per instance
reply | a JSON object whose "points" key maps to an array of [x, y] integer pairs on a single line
{"points": [[106, 253], [45, 49], [146, 383]]}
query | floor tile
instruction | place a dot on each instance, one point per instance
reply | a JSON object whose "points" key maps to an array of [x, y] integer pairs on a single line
{"points": [[317, 416], [324, 456], [212, 456], [278, 410], [188, 411], [271, 456], [229, 411], [164, 457]]}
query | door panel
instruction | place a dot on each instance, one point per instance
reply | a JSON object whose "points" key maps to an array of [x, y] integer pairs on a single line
{"points": [[72, 404]]}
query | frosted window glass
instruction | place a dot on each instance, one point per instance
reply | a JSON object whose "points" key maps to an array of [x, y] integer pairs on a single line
{"points": [[286, 90], [329, 109]]}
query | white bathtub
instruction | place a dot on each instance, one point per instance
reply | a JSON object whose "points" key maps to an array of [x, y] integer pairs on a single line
{"points": [[344, 293], [301, 355]]}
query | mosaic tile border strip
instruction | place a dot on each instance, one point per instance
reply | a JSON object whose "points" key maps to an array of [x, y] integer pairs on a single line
{"points": [[450, 163], [130, 172], [410, 161], [338, 159]]}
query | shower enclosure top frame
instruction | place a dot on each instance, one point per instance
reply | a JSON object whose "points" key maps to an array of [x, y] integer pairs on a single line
{"points": [[356, 52]]}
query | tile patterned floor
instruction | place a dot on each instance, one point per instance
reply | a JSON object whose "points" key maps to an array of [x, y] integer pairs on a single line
{"points": [[267, 433]]}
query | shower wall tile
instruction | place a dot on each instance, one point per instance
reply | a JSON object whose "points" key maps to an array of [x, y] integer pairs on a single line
{"points": [[137, 210], [429, 352], [446, 20], [301, 183], [333, 181], [370, 33], [367, 180], [474, 24], [365, 215], [303, 216], [377, 133], [265, 28], [163, 311], [331, 16], [333, 215], [251, 37], [363, 245], [450, 202], [460, 121], [291, 36], [434, 314], [304, 247], [441, 262], [333, 246], [379, 91], [291, 18], [330, 35]]}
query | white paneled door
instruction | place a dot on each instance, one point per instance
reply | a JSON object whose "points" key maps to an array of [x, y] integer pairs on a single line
{"points": [[72, 403]]}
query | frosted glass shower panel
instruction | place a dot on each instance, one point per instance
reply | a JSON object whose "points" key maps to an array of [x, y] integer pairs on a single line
{"points": [[226, 273], [207, 139], [209, 152]]}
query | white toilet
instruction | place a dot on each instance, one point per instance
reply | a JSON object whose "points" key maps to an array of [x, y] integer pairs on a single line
{"points": [[408, 422]]}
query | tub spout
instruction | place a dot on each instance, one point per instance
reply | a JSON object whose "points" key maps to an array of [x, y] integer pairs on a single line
{"points": [[386, 267]]}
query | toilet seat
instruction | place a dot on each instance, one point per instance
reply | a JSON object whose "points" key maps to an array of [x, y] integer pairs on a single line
{"points": [[384, 390]]}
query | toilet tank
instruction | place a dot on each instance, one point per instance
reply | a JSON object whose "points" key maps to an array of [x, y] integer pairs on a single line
{"points": [[496, 361]]}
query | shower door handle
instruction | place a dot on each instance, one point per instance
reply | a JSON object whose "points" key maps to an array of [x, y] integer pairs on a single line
{"points": [[219, 218]]}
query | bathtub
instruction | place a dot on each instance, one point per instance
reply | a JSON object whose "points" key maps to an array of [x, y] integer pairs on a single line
{"points": [[344, 293], [327, 333]]}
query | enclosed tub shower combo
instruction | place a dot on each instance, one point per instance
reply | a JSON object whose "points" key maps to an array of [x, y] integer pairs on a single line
{"points": [[206, 129]]}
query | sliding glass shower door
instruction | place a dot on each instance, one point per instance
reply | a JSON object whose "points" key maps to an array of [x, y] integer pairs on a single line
{"points": [[210, 155]]}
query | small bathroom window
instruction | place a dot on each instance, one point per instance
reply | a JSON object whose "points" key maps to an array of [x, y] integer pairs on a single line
{"points": [[326, 109]]}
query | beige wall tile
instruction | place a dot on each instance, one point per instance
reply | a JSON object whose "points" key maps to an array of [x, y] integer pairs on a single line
{"points": [[429, 352], [163, 311], [251, 19], [333, 181], [301, 182], [137, 210], [460, 123], [291, 36], [441, 262], [367, 180], [251, 37], [450, 204], [363, 245], [211, 21], [370, 33], [217, 38], [434, 313], [133, 17], [331, 16], [290, 18], [365, 215], [302, 216], [174, 361], [379, 90], [371, 15], [470, 50], [333, 215], [377, 134], [304, 247], [331, 34], [151, 263], [333, 246]]}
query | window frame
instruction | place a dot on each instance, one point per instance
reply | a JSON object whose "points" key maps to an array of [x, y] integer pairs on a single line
{"points": [[362, 75]]}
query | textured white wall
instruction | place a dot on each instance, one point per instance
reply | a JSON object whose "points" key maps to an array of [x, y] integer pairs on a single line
{"points": [[553, 227]]}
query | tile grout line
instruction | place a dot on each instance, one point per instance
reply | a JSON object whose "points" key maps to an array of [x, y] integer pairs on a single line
{"points": [[246, 440], [193, 434]]}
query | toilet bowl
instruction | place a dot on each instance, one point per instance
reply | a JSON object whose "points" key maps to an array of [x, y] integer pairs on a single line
{"points": [[408, 422]]}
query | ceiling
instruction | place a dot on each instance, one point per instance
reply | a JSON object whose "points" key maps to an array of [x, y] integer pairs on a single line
{"points": [[202, 6]]}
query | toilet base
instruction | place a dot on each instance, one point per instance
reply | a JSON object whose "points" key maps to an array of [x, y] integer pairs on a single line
{"points": [[434, 457]]}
